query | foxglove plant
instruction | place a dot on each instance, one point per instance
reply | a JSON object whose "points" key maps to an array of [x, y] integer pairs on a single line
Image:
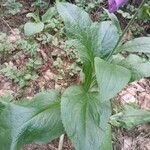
{"points": [[82, 111]]}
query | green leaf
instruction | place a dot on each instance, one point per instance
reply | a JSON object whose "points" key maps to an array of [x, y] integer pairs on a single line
{"points": [[88, 71], [97, 41], [144, 12], [25, 122], [78, 24], [114, 20], [73, 15], [143, 69], [86, 119], [111, 78], [141, 44], [130, 117], [2, 106], [49, 14], [34, 16], [109, 36], [31, 28], [138, 66]]}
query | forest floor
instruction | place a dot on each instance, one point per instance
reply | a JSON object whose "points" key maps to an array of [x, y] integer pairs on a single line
{"points": [[138, 92]]}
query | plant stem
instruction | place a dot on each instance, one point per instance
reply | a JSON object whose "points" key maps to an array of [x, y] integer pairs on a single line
{"points": [[8, 25], [61, 140], [126, 29]]}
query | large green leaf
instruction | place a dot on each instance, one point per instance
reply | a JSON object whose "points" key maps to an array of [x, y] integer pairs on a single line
{"points": [[25, 122], [141, 44], [78, 24], [79, 27], [111, 78], [49, 14], [73, 15], [85, 119], [114, 20], [31, 28], [109, 35], [138, 66]]}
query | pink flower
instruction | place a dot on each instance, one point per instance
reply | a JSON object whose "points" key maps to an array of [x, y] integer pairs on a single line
{"points": [[115, 4]]}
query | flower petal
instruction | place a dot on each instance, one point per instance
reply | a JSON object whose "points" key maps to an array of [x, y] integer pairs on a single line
{"points": [[120, 3], [112, 6], [115, 4]]}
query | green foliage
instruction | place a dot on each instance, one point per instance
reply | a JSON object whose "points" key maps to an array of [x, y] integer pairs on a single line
{"points": [[10, 7], [37, 25], [29, 46], [34, 63], [50, 13], [130, 117], [141, 44], [22, 77], [145, 12], [9, 71], [111, 78], [28, 71], [140, 67], [85, 111], [92, 39], [114, 20], [81, 115], [125, 14], [7, 97], [24, 122], [31, 28], [71, 50], [40, 3]]}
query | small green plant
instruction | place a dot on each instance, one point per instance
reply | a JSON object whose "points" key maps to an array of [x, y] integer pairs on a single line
{"points": [[10, 7], [40, 3], [23, 76], [29, 46], [145, 12], [40, 23], [82, 111]]}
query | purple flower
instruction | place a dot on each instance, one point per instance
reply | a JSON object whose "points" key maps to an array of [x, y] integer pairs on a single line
{"points": [[115, 4]]}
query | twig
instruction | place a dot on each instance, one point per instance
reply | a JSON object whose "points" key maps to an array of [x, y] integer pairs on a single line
{"points": [[51, 146], [61, 141], [7, 25]]}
